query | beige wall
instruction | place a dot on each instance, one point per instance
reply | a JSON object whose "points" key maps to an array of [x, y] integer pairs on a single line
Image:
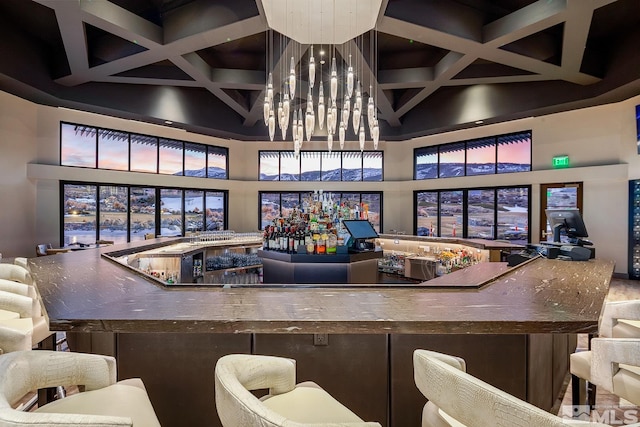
{"points": [[600, 142]]}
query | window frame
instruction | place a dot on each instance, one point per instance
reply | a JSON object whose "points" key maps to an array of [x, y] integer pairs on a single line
{"points": [[158, 139], [465, 208], [496, 138], [157, 191]]}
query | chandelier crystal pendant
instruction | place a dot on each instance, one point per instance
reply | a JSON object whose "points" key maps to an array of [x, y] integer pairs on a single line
{"points": [[321, 112], [329, 142], [361, 137], [272, 125], [294, 126], [342, 134], [300, 127], [286, 109], [375, 134], [292, 79], [350, 79], [312, 70], [345, 109], [334, 80], [310, 119]]}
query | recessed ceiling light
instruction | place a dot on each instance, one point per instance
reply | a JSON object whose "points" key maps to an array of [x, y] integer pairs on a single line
{"points": [[479, 122], [168, 122]]}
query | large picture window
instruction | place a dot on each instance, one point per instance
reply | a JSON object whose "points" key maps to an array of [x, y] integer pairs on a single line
{"points": [[280, 204], [114, 208], [489, 155], [113, 151], [321, 166], [122, 213], [92, 147], [487, 213], [79, 146]]}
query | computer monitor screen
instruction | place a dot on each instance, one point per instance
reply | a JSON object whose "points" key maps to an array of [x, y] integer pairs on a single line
{"points": [[360, 228], [567, 220]]}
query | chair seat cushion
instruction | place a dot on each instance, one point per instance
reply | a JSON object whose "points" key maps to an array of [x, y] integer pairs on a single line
{"points": [[626, 383], [124, 399], [626, 329], [308, 403], [581, 364], [7, 315]]}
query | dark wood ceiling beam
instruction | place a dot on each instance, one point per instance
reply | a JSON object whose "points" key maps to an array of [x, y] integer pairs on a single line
{"points": [[495, 80]]}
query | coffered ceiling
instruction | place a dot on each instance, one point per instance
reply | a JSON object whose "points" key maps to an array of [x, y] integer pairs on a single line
{"points": [[435, 65]]}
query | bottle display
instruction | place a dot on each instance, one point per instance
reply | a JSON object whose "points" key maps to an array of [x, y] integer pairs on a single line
{"points": [[313, 228], [634, 230]]}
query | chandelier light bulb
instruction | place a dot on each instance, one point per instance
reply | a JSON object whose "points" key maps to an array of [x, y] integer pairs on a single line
{"points": [[361, 137], [375, 134], [371, 108], [345, 109], [359, 97], [356, 118], [270, 88], [292, 79], [329, 120], [334, 80], [296, 148], [280, 115], [266, 107], [300, 127], [342, 134], [294, 131], [310, 123], [334, 116], [321, 112], [329, 142], [286, 109], [312, 69], [272, 125], [350, 79]]}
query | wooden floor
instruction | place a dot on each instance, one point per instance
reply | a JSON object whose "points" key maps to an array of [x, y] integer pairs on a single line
{"points": [[620, 289]]}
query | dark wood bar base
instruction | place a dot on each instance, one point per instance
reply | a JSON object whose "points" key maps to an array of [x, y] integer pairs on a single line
{"points": [[372, 374]]}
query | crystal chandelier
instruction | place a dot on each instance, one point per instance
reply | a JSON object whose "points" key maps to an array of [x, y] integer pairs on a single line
{"points": [[292, 101]]}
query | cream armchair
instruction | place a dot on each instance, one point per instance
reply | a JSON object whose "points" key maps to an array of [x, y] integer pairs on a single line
{"points": [[459, 399], [105, 403], [286, 405], [15, 273], [615, 366], [620, 319]]}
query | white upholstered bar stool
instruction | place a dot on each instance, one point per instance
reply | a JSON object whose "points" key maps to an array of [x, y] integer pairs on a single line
{"points": [[620, 319], [615, 366], [104, 402], [457, 399], [286, 405], [15, 273]]}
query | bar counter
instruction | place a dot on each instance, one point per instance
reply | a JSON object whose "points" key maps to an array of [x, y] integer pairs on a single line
{"points": [[82, 291], [515, 331]]}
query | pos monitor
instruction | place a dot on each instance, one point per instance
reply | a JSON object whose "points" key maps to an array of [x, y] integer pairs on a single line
{"points": [[569, 220], [361, 230]]}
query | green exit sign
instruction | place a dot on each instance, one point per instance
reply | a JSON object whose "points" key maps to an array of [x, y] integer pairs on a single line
{"points": [[561, 162]]}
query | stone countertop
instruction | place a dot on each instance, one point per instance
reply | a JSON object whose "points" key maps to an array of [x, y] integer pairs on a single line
{"points": [[474, 243], [83, 291]]}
